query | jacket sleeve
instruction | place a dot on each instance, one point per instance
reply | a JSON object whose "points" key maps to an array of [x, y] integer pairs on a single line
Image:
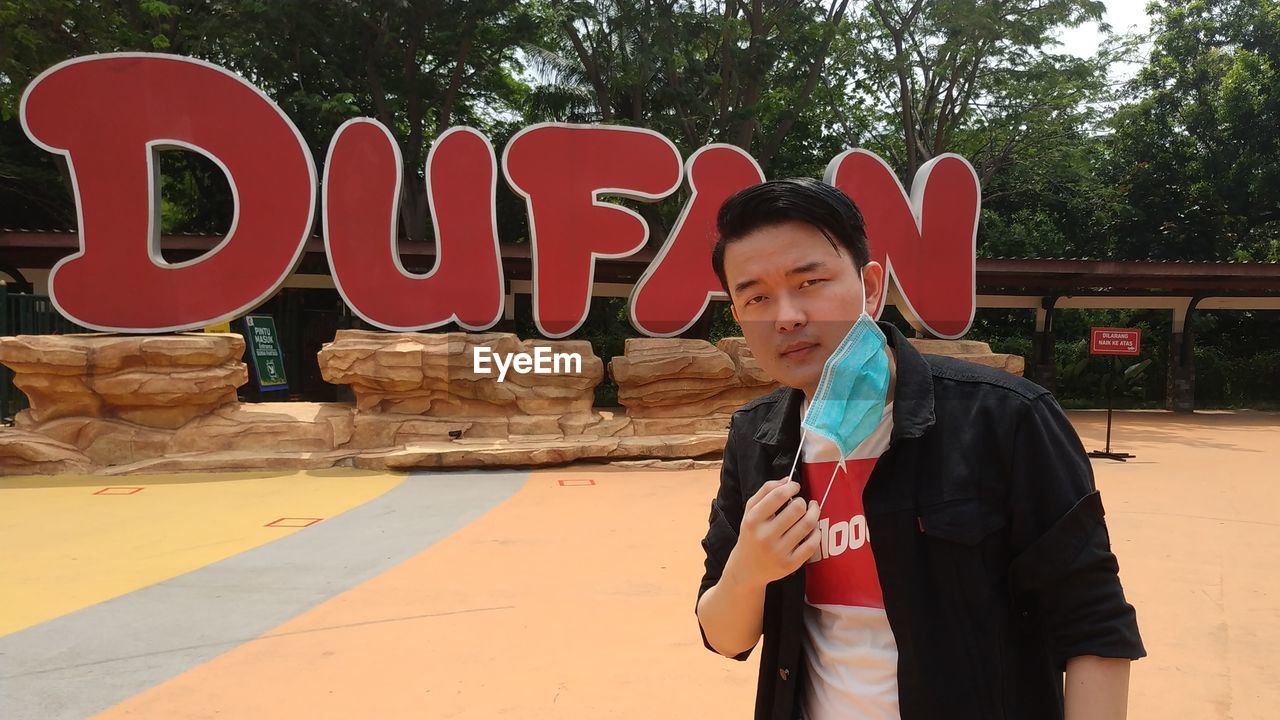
{"points": [[1064, 577], [722, 529]]}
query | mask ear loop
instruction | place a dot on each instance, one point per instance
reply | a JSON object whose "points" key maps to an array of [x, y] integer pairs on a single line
{"points": [[830, 483], [804, 433]]}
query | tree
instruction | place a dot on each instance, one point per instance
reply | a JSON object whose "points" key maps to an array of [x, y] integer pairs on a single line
{"points": [[34, 35], [1194, 154], [976, 77], [700, 72], [419, 67]]}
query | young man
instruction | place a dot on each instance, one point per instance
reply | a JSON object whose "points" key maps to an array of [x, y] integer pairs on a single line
{"points": [[939, 549]]}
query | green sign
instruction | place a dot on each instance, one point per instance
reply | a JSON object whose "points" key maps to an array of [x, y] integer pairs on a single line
{"points": [[264, 348]]}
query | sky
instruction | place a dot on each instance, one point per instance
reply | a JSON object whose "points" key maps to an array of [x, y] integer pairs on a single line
{"points": [[1123, 16]]}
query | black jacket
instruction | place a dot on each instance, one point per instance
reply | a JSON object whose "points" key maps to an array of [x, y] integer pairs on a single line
{"points": [[988, 538]]}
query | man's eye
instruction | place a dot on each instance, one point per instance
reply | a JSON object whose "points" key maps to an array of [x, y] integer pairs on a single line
{"points": [[754, 299], [812, 281]]}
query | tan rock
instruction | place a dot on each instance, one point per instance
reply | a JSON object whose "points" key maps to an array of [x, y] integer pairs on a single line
{"points": [[433, 375], [654, 464], [170, 417], [267, 427], [156, 381], [115, 352], [526, 452], [494, 454], [1014, 364], [109, 442], [145, 387], [671, 446], [620, 426], [681, 426], [576, 423], [671, 378], [674, 391], [54, 395], [972, 351], [647, 359], [45, 354], [744, 362], [545, 425], [234, 461], [723, 402], [389, 430], [28, 453], [931, 346]]}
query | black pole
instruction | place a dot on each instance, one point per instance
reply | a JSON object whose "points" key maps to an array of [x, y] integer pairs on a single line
{"points": [[1111, 381]]}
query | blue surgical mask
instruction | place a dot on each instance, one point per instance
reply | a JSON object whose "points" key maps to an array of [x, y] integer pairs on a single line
{"points": [[849, 401]]}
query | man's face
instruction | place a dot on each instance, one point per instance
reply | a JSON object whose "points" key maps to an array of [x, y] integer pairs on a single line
{"points": [[796, 296]]}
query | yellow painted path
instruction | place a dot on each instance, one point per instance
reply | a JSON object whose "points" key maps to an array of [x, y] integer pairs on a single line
{"points": [[73, 541]]}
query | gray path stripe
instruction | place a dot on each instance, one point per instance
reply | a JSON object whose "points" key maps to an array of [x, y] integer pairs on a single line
{"points": [[85, 662]]}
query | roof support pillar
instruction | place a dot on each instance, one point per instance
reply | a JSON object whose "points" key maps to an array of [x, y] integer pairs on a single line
{"points": [[1181, 395], [1043, 370]]}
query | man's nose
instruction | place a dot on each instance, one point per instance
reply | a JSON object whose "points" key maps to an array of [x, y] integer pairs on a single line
{"points": [[790, 315]]}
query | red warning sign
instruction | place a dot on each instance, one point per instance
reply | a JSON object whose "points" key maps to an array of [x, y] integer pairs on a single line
{"points": [[1115, 341]]}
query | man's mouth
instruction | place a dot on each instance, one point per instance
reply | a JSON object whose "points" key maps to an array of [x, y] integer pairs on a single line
{"points": [[795, 351]]}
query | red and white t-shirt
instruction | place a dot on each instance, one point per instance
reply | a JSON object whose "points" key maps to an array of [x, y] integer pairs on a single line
{"points": [[851, 656]]}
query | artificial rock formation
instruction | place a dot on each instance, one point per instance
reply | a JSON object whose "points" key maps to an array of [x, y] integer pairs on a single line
{"points": [[29, 453], [155, 382], [119, 405], [972, 351], [670, 385], [122, 400], [420, 387]]}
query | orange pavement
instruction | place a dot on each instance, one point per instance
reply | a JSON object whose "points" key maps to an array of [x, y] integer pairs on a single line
{"points": [[577, 602], [566, 601], [1195, 522]]}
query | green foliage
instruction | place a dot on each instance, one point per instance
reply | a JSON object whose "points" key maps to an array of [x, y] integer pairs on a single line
{"points": [[1192, 153], [1250, 380], [1103, 377]]}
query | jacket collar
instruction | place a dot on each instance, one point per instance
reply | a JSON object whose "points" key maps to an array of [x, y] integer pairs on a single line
{"points": [[912, 400]]}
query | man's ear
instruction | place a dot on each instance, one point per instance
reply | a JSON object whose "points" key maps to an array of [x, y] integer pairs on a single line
{"points": [[873, 285], [734, 310]]}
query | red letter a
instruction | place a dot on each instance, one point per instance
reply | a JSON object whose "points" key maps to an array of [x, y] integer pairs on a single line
{"points": [[677, 286]]}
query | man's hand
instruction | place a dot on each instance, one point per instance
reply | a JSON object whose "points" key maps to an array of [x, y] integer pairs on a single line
{"points": [[778, 535]]}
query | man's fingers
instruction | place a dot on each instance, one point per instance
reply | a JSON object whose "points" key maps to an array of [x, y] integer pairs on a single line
{"points": [[787, 516], [760, 494], [776, 500], [806, 549], [801, 527]]}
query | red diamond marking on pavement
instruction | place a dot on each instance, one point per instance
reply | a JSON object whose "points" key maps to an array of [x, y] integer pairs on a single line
{"points": [[292, 522]]}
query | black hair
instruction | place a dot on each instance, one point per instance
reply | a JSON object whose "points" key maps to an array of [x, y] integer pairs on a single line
{"points": [[794, 199]]}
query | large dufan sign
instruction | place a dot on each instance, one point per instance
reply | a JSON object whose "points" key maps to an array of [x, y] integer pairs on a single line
{"points": [[109, 115]]}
